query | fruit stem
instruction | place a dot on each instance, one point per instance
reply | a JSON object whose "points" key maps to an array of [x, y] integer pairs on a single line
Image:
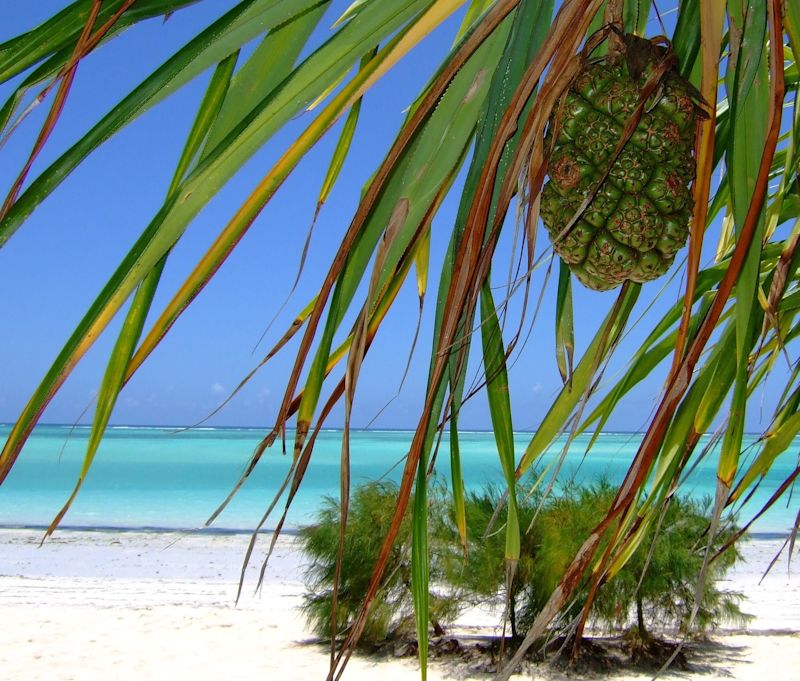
{"points": [[613, 17]]}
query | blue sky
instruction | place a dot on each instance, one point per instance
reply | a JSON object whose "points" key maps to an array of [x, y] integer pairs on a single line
{"points": [[53, 267]]}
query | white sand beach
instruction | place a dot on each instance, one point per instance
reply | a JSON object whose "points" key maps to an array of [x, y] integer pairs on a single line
{"points": [[106, 605]]}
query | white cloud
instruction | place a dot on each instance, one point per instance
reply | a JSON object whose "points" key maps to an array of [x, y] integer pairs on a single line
{"points": [[217, 388], [537, 387]]}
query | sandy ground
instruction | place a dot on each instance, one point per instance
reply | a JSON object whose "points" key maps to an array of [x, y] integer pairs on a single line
{"points": [[102, 605]]}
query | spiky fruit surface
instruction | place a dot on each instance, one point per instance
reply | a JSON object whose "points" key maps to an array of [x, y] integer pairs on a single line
{"points": [[639, 216]]}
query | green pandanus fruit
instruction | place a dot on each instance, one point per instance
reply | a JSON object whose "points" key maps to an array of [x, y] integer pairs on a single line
{"points": [[639, 203]]}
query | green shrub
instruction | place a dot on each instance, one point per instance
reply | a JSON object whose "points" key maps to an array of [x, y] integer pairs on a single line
{"points": [[480, 574], [655, 588], [660, 578], [657, 584], [369, 518]]}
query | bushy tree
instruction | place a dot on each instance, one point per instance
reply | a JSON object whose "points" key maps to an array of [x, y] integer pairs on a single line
{"points": [[659, 579], [655, 588], [479, 572], [368, 520]]}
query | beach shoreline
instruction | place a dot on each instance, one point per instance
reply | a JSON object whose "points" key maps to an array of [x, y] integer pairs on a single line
{"points": [[133, 605]]}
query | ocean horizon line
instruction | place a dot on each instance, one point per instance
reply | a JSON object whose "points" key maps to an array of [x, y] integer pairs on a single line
{"points": [[177, 428]]}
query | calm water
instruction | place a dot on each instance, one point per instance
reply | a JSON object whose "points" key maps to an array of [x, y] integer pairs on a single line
{"points": [[152, 477]]}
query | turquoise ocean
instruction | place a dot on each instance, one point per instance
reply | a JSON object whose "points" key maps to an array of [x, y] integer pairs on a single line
{"points": [[158, 478]]}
